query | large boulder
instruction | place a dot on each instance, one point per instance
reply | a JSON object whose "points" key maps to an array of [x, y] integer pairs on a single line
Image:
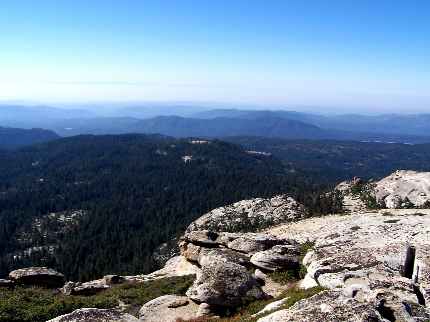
{"points": [[89, 288], [38, 276], [225, 284], [253, 243], [190, 251], [6, 283], [95, 315], [204, 238], [250, 215], [403, 185], [207, 255], [169, 308], [279, 257], [176, 266]]}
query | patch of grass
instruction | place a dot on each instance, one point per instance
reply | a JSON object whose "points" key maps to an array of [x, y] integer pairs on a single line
{"points": [[296, 294], [38, 304], [284, 277], [305, 248]]}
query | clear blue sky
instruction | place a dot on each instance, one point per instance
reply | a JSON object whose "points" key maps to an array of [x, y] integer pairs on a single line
{"points": [[345, 54]]}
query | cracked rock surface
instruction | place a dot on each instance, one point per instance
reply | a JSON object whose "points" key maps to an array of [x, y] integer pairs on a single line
{"points": [[250, 215], [361, 259], [95, 315], [402, 184]]}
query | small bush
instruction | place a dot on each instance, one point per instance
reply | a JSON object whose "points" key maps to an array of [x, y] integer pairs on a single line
{"points": [[285, 277], [305, 248]]}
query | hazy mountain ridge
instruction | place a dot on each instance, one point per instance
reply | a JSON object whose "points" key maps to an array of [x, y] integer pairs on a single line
{"points": [[406, 124], [180, 121], [11, 138]]}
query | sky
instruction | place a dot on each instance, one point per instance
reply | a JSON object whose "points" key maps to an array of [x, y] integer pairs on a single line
{"points": [[347, 55]]}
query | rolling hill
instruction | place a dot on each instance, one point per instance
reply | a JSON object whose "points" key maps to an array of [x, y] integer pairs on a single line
{"points": [[92, 205], [12, 138]]}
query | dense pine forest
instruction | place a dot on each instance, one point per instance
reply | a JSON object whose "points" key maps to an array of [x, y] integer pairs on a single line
{"points": [[333, 161], [12, 138], [92, 205]]}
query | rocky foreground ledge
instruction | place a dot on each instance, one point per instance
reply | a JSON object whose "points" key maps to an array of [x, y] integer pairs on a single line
{"points": [[374, 265], [364, 265]]}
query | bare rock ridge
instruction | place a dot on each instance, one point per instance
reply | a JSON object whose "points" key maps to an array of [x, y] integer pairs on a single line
{"points": [[368, 264], [38, 276], [250, 215], [361, 260], [404, 185], [402, 189]]}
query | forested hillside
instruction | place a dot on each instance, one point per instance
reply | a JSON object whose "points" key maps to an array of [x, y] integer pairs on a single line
{"points": [[92, 205], [11, 138], [333, 161]]}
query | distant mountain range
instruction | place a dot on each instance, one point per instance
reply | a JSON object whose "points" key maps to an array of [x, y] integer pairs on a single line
{"points": [[413, 124], [270, 126], [37, 116], [222, 123], [11, 138]]}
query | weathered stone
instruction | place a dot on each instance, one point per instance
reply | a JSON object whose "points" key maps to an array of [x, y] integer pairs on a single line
{"points": [[367, 265], [225, 284], [95, 315], [402, 185], [38, 276], [207, 255], [190, 251], [250, 215], [328, 306], [224, 238], [176, 266], [86, 289], [6, 283], [392, 201], [68, 288], [89, 288], [253, 243], [334, 306], [260, 276], [271, 307], [269, 286], [277, 258], [168, 308], [204, 238], [113, 279], [206, 311]]}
